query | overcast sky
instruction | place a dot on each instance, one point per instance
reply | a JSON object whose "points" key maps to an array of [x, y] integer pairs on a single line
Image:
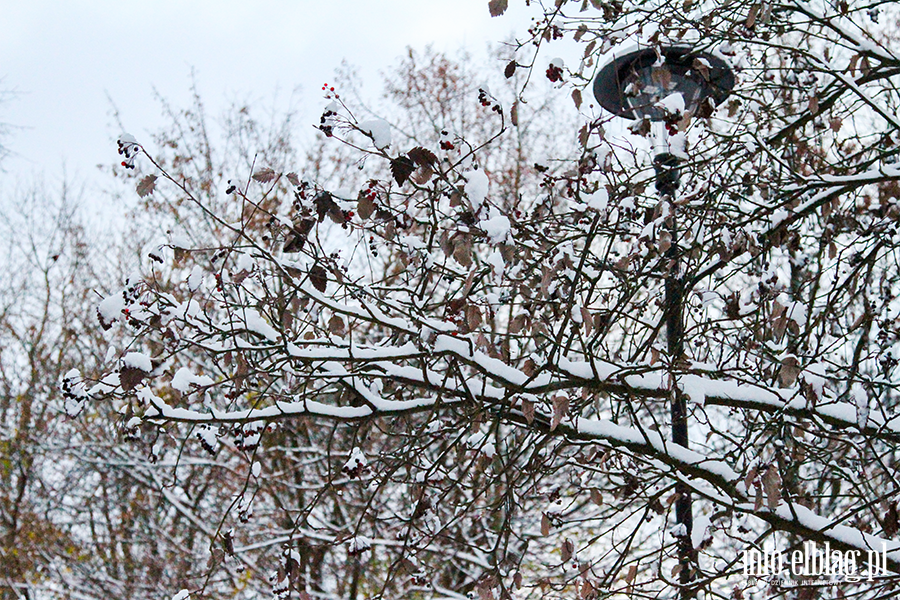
{"points": [[69, 60]]}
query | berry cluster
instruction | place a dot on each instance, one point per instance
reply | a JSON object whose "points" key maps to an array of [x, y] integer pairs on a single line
{"points": [[446, 144], [247, 438], [207, 435], [329, 92], [73, 392], [129, 148], [485, 99], [554, 73], [326, 123], [327, 120], [245, 510]]}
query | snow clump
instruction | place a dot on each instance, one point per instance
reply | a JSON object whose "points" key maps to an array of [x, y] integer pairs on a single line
{"points": [[380, 131]]}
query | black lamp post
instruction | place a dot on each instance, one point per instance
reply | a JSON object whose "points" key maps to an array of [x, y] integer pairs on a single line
{"points": [[632, 86]]}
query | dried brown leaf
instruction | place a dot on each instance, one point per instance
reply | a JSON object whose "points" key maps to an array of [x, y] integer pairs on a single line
{"points": [[701, 67], [545, 524], [325, 205], [131, 377], [891, 520], [750, 477], [631, 575], [422, 175], [365, 207], [146, 185], [771, 481], [422, 156], [584, 134], [751, 17], [789, 371], [560, 410], [576, 98], [336, 325], [297, 236], [498, 7], [264, 175], [587, 320], [510, 69], [567, 550], [401, 168], [528, 411], [473, 316], [462, 251], [292, 177], [318, 277], [517, 323]]}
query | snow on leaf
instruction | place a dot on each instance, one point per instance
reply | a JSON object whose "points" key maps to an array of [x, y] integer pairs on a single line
{"points": [[861, 400], [74, 392], [476, 187], [138, 360], [264, 175], [146, 185], [358, 544], [379, 130], [182, 595], [258, 325], [700, 530], [497, 229], [110, 310], [184, 380]]}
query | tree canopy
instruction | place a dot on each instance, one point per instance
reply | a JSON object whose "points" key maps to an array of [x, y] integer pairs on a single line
{"points": [[433, 357]]}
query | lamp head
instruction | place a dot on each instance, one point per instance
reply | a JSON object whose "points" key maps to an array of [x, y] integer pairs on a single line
{"points": [[633, 85]]}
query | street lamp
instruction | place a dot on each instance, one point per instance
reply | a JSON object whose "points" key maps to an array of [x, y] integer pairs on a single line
{"points": [[638, 85]]}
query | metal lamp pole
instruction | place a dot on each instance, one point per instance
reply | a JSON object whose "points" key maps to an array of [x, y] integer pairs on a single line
{"points": [[632, 86], [667, 181]]}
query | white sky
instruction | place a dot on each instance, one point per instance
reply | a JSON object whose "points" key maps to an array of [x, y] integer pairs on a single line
{"points": [[66, 59]]}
